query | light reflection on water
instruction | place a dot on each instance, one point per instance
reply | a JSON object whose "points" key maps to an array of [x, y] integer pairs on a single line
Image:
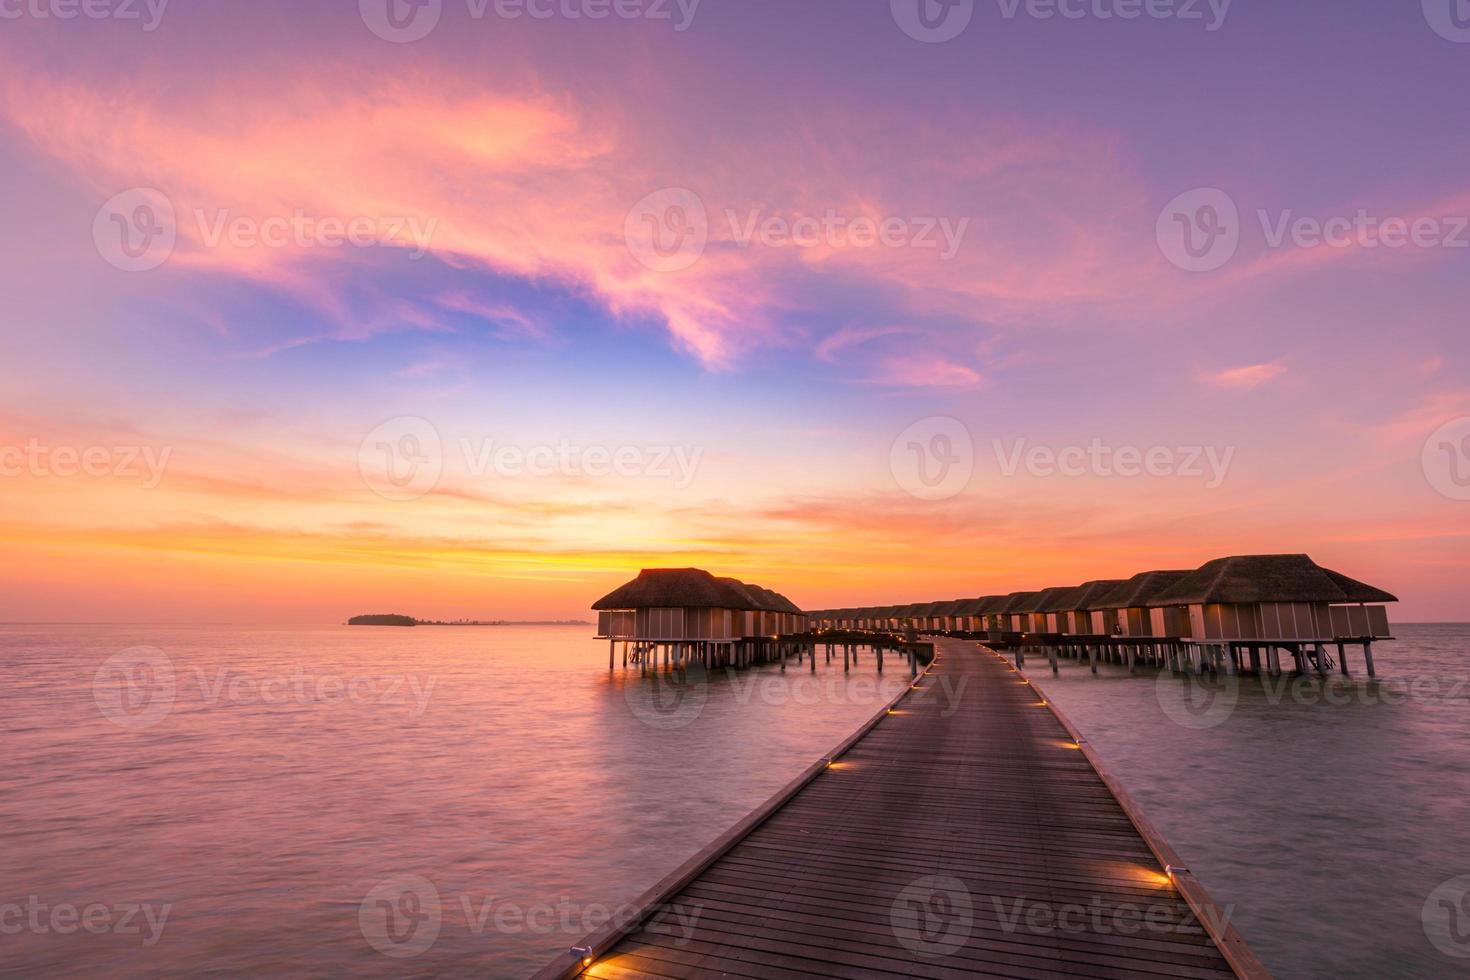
{"points": [[296, 770], [1325, 812]]}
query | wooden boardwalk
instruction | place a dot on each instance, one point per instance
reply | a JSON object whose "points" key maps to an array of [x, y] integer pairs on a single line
{"points": [[966, 833]]}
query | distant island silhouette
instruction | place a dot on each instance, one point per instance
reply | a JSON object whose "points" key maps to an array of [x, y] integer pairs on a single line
{"points": [[395, 619]]}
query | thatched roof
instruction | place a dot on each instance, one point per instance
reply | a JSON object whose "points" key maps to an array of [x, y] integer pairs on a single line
{"points": [[971, 607], [692, 588], [774, 601], [950, 608], [1015, 601], [1045, 600], [1266, 578], [991, 604], [675, 587], [1138, 590], [1085, 597]]}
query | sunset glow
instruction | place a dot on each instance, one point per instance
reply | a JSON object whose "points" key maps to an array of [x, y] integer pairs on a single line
{"points": [[893, 232]]}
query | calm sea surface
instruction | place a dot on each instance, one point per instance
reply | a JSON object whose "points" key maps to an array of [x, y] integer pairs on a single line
{"points": [[457, 801], [1333, 818], [242, 801]]}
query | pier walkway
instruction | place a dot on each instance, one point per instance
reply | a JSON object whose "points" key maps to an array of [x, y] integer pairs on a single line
{"points": [[965, 832]]}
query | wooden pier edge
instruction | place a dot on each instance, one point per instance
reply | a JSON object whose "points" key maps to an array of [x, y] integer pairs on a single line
{"points": [[572, 963], [1215, 920]]}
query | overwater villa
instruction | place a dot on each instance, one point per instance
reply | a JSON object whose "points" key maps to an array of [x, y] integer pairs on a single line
{"points": [[687, 614], [1262, 604], [1035, 610], [1075, 616], [1124, 609], [1011, 617]]}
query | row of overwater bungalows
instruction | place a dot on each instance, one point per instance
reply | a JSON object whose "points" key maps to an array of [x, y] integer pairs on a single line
{"points": [[1229, 608], [1242, 598]]}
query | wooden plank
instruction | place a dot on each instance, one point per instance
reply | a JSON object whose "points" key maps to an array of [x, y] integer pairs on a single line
{"points": [[969, 833]]}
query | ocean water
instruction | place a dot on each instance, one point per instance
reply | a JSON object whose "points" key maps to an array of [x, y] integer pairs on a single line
{"points": [[336, 801], [1333, 816], [457, 801]]}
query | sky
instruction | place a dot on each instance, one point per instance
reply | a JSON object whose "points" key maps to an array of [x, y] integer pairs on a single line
{"points": [[473, 309]]}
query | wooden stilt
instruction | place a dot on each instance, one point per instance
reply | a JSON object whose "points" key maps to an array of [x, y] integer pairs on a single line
{"points": [[1368, 658], [1342, 659]]}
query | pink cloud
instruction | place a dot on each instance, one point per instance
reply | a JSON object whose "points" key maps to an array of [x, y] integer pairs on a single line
{"points": [[538, 185], [1249, 376]]}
